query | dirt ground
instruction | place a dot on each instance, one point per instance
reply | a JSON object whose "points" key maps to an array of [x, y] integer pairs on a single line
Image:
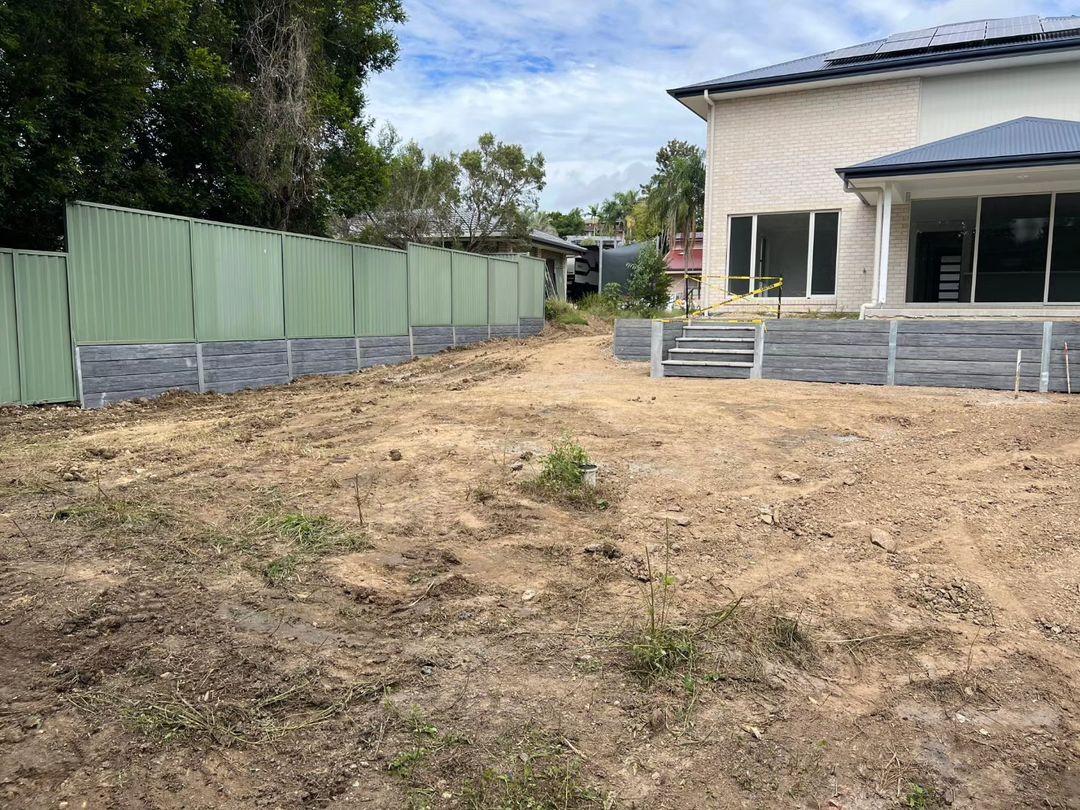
{"points": [[348, 592]]}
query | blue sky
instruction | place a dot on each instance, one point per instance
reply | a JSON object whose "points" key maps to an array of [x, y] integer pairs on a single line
{"points": [[584, 81]]}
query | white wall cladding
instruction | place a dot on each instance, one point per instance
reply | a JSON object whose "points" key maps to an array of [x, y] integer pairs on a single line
{"points": [[779, 153], [962, 102]]}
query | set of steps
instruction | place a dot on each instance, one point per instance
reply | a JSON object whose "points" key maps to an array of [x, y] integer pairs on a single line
{"points": [[721, 350]]}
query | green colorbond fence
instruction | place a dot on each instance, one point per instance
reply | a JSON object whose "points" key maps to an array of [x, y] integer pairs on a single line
{"points": [[381, 279], [430, 286], [141, 277], [35, 329], [502, 291], [318, 288], [469, 295]]}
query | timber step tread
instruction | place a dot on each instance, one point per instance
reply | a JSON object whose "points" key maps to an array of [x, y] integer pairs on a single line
{"points": [[682, 350], [717, 363], [716, 339]]}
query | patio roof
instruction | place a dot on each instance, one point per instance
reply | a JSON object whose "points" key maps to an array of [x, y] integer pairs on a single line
{"points": [[1021, 143]]}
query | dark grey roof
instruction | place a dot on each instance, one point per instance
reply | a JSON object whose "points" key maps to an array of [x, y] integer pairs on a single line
{"points": [[556, 242], [1021, 142], [956, 42]]}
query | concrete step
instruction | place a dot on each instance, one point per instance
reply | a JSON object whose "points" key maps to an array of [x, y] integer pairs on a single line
{"points": [[723, 371], [724, 363], [721, 327], [714, 339], [682, 353]]}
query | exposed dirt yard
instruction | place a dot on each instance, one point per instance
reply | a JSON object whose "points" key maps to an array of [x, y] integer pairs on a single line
{"points": [[246, 601]]}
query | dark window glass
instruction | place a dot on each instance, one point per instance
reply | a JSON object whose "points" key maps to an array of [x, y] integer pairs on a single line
{"points": [[1065, 263], [783, 242], [826, 230], [941, 250], [1013, 235], [742, 229]]}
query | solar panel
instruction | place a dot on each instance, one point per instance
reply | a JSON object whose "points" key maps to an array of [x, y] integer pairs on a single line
{"points": [[902, 45], [1053, 25], [964, 27], [866, 49], [957, 38], [924, 32], [1016, 27]]}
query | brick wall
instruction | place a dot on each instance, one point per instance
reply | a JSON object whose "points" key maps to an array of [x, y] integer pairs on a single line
{"points": [[779, 152]]}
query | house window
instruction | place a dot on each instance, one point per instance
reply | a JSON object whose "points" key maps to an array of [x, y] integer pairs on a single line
{"points": [[1065, 261], [1014, 234], [1018, 249], [800, 248]]}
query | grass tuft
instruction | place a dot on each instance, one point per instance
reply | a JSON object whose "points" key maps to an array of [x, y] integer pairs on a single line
{"points": [[563, 313], [107, 512], [318, 535]]}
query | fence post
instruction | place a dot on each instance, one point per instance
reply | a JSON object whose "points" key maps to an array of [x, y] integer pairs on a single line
{"points": [[1044, 367], [890, 374], [656, 349], [759, 351]]}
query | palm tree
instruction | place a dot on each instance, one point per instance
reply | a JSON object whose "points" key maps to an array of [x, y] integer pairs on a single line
{"points": [[677, 200]]}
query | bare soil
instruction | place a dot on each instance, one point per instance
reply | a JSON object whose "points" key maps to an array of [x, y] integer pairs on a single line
{"points": [[246, 601]]}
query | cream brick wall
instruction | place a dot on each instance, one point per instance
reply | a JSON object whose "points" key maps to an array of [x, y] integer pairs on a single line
{"points": [[779, 152]]}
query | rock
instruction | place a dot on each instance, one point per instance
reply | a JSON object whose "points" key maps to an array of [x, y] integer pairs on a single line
{"points": [[677, 519], [528, 596], [219, 473], [339, 460], [789, 477], [395, 455], [882, 539], [517, 466], [526, 456]]}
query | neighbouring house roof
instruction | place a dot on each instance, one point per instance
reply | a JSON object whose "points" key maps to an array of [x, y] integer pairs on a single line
{"points": [[556, 243], [1023, 142], [942, 44], [676, 260]]}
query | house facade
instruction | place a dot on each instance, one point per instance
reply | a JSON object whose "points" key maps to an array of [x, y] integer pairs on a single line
{"points": [[935, 172]]}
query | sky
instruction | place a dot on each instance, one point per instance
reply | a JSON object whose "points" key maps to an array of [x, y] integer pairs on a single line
{"points": [[584, 81]]}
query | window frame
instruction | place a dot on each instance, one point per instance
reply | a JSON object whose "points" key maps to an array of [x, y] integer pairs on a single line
{"points": [[808, 296], [978, 236]]}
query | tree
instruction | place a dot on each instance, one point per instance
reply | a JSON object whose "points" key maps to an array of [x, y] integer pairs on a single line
{"points": [[643, 223], [499, 182], [537, 220], [571, 224], [245, 110], [421, 199], [480, 200], [649, 281], [677, 197]]}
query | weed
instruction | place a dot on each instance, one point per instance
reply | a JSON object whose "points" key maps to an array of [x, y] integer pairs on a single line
{"points": [[790, 638], [318, 535], [526, 787], [563, 313], [108, 512], [561, 468], [427, 741], [281, 569], [919, 797]]}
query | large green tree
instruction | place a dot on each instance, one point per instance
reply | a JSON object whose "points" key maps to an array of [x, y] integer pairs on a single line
{"points": [[244, 110], [677, 195], [568, 224]]}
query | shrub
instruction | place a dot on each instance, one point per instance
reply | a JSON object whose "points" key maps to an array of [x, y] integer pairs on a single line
{"points": [[649, 282], [561, 470], [563, 313]]}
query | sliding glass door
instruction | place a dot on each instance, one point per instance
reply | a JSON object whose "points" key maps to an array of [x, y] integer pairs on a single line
{"points": [[800, 248]]}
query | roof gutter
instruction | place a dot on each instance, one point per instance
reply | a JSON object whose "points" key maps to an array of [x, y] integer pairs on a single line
{"points": [[868, 68], [945, 166]]}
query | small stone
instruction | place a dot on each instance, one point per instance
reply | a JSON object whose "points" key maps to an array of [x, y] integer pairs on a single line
{"points": [[517, 466], [526, 456], [339, 460], [789, 477], [882, 539], [426, 670], [219, 473], [395, 455], [528, 596]]}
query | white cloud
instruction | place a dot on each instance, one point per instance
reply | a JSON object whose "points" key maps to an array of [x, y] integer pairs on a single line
{"points": [[584, 81]]}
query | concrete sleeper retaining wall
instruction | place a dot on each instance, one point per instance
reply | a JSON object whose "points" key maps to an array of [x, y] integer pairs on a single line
{"points": [[944, 353], [109, 374]]}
